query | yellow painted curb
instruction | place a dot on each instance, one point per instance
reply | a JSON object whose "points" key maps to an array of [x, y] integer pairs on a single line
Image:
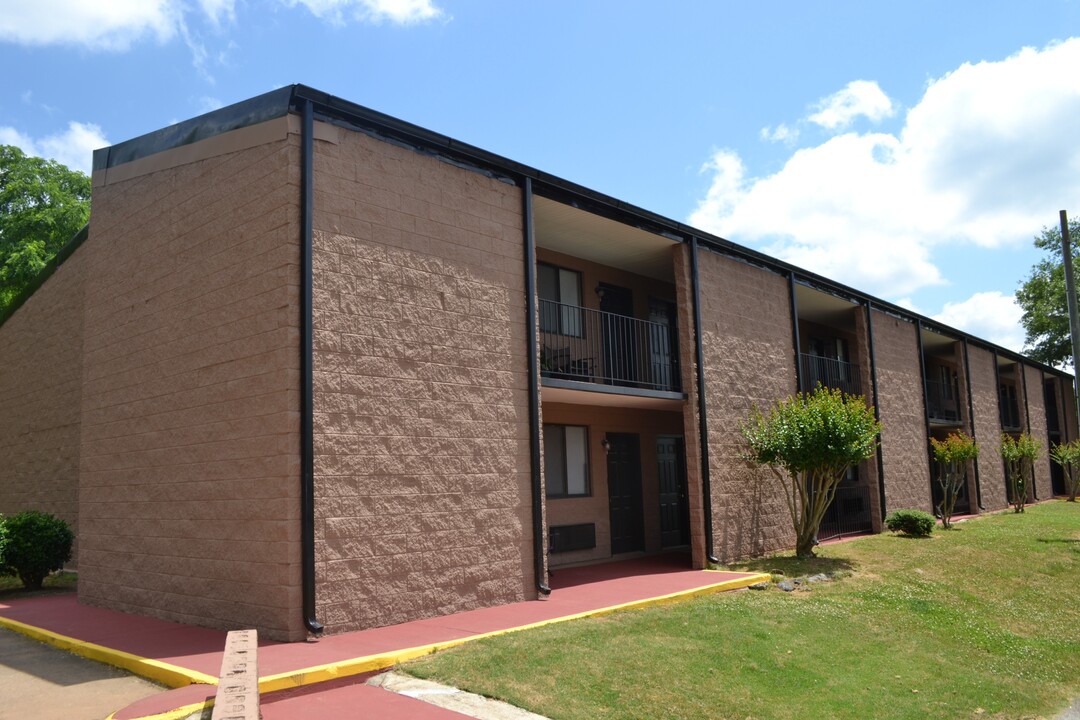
{"points": [[161, 672], [178, 714], [370, 663]]}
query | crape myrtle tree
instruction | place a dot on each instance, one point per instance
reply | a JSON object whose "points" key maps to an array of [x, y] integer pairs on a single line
{"points": [[1019, 454], [809, 441], [42, 205], [1042, 298], [952, 456], [1067, 455]]}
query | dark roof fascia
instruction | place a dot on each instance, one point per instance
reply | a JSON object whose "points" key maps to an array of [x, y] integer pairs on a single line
{"points": [[336, 110], [267, 106], [46, 272]]}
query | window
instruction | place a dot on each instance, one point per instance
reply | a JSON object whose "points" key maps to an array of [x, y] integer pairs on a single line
{"points": [[566, 460], [561, 286]]}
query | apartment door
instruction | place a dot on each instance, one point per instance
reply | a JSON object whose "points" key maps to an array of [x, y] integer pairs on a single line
{"points": [[674, 507], [663, 345], [619, 360], [624, 493]]}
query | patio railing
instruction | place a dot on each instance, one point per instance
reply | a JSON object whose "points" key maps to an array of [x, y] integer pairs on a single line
{"points": [[593, 346], [831, 373], [849, 514]]}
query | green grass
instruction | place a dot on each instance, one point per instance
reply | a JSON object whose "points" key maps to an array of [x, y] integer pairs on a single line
{"points": [[980, 621], [63, 581]]}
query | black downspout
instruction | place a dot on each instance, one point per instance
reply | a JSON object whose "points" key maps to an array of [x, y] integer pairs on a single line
{"points": [[1027, 424], [971, 424], [307, 423], [926, 412], [534, 389], [703, 421], [874, 390], [795, 333]]}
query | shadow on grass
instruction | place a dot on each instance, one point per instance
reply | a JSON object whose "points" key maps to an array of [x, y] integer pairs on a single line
{"points": [[62, 582], [791, 566]]}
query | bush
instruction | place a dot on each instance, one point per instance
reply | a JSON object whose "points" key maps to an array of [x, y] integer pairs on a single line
{"points": [[34, 545], [911, 522]]}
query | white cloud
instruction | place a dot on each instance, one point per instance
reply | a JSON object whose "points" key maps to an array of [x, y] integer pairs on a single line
{"points": [[74, 147], [112, 25], [859, 98], [401, 12], [990, 315], [217, 10], [781, 134], [985, 157]]}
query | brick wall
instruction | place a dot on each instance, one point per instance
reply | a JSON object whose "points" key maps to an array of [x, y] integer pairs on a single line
{"points": [[749, 360], [903, 416], [40, 391], [423, 500], [1036, 408], [987, 425], [189, 500]]}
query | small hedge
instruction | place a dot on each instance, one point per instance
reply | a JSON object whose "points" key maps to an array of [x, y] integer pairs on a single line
{"points": [[916, 523], [32, 545]]}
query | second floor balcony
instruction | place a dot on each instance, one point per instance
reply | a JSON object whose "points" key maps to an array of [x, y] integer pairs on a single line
{"points": [[1010, 410], [830, 372], [592, 346], [943, 401]]}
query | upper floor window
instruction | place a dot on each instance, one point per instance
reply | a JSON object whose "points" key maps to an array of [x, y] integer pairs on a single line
{"points": [[562, 289]]}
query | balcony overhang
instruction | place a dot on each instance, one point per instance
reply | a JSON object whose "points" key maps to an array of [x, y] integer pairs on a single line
{"points": [[572, 392]]}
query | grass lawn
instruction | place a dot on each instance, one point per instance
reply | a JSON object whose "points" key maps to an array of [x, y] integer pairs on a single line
{"points": [[980, 621]]}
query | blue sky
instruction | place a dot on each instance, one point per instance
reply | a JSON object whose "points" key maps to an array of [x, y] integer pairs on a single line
{"points": [[908, 149]]}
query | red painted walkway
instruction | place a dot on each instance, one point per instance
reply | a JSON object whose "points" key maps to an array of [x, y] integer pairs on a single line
{"points": [[575, 590]]}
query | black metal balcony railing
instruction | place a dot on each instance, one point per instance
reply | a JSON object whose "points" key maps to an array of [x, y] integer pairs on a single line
{"points": [[588, 345], [849, 513], [943, 400], [831, 373], [1010, 412]]}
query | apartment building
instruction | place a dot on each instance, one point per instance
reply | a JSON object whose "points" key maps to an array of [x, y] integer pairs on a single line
{"points": [[312, 368]]}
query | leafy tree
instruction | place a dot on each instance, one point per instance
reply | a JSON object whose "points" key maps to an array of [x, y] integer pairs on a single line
{"points": [[952, 455], [35, 544], [1019, 454], [42, 205], [1067, 455], [813, 438], [1042, 298]]}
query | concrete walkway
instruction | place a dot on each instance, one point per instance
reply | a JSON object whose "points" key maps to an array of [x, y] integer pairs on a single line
{"points": [[324, 678], [41, 682]]}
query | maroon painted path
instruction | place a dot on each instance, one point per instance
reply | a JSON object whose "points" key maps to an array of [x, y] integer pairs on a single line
{"points": [[574, 590]]}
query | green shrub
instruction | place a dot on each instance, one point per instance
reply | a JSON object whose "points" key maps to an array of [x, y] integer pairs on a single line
{"points": [[3, 543], [911, 522], [35, 544]]}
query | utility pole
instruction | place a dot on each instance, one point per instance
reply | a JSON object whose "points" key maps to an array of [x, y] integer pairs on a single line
{"points": [[1070, 294]]}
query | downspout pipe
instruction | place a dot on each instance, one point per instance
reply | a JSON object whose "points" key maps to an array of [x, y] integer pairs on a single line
{"points": [[971, 423], [703, 419], [307, 408], [877, 412], [534, 390]]}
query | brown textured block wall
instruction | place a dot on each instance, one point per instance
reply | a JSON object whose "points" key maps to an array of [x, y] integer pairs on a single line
{"points": [[987, 426], [749, 360], [904, 441], [189, 501], [1036, 409], [40, 393], [423, 500]]}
